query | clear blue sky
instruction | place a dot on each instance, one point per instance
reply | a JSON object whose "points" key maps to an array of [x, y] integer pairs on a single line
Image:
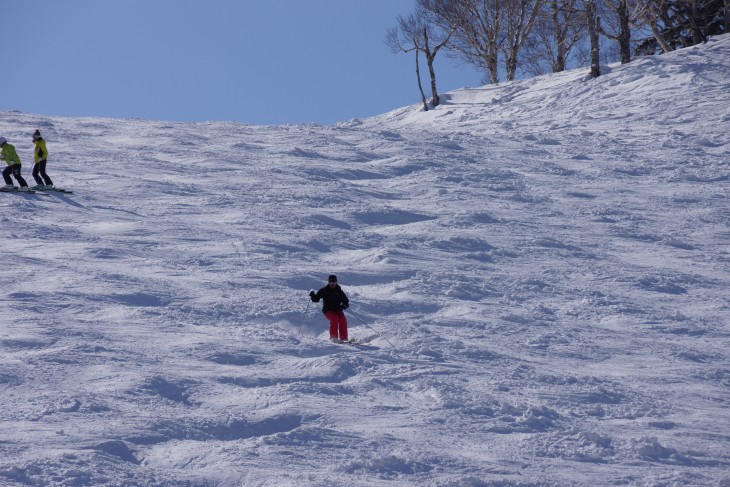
{"points": [[252, 61]]}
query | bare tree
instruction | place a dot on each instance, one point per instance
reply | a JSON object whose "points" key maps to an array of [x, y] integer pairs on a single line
{"points": [[520, 18], [477, 27], [655, 15], [400, 38], [652, 12], [415, 33], [681, 23], [621, 21], [484, 30], [568, 30], [557, 30]]}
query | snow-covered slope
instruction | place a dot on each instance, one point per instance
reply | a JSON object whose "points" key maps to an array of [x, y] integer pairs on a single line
{"points": [[543, 264]]}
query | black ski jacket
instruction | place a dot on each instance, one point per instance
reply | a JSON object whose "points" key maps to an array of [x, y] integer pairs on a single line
{"points": [[334, 299]]}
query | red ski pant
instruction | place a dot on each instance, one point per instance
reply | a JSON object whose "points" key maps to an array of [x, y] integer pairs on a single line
{"points": [[338, 324]]}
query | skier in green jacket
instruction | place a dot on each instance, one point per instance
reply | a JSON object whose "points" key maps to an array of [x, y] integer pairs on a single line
{"points": [[8, 154], [40, 154]]}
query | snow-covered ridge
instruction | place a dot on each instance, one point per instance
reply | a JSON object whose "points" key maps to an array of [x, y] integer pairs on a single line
{"points": [[546, 262], [573, 97]]}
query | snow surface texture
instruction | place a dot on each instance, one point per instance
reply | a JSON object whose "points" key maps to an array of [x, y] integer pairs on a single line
{"points": [[546, 262]]}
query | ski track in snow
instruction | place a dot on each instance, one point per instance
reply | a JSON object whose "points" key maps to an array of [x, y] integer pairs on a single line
{"points": [[548, 257]]}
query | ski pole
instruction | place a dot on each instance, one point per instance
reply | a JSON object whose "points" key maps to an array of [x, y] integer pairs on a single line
{"points": [[376, 331], [305, 314]]}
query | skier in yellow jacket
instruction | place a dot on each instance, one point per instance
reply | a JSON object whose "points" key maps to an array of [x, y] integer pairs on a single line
{"points": [[40, 154], [8, 154]]}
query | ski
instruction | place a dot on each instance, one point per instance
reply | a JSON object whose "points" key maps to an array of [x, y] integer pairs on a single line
{"points": [[358, 341], [352, 341], [30, 191], [59, 190], [365, 341]]}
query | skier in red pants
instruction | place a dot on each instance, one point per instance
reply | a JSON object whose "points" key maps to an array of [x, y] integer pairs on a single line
{"points": [[334, 302]]}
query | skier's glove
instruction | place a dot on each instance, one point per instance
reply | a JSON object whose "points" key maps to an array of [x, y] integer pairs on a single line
{"points": [[345, 306], [311, 294]]}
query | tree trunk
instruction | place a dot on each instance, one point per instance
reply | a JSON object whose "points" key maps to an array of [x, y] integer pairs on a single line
{"points": [[727, 16], [697, 35], [624, 36], [561, 55], [659, 37], [420, 87], [594, 27], [511, 64], [490, 61], [435, 100]]}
